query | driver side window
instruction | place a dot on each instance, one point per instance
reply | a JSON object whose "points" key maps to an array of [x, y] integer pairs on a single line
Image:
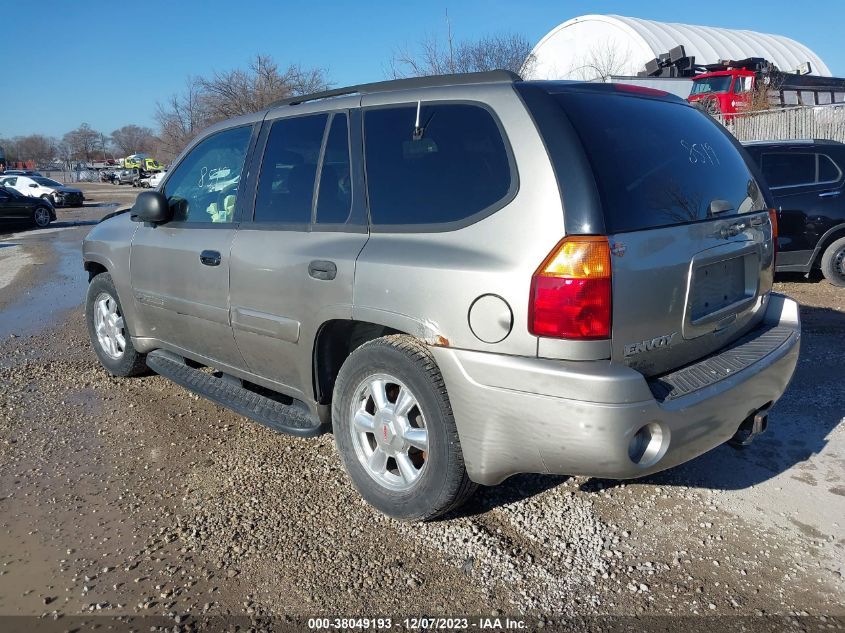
{"points": [[204, 186]]}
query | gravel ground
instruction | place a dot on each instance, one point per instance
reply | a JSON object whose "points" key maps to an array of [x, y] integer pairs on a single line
{"points": [[130, 497]]}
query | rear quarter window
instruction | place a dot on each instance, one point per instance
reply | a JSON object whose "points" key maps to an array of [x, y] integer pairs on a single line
{"points": [[658, 163], [452, 171]]}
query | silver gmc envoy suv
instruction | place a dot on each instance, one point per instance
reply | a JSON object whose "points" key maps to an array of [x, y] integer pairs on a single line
{"points": [[463, 278]]}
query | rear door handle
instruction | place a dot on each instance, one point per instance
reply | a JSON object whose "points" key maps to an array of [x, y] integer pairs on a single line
{"points": [[210, 258], [829, 194], [322, 269]]}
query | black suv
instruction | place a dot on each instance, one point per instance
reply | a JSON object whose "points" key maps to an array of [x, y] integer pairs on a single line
{"points": [[806, 180]]}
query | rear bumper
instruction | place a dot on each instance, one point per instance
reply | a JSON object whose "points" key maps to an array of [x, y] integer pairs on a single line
{"points": [[517, 414]]}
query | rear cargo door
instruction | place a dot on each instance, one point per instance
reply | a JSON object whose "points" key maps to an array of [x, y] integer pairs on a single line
{"points": [[688, 227]]}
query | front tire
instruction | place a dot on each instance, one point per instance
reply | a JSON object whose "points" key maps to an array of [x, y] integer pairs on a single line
{"points": [[395, 432], [108, 332], [833, 263], [41, 217]]}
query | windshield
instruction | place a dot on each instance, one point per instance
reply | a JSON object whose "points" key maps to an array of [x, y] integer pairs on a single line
{"points": [[720, 83], [47, 182]]}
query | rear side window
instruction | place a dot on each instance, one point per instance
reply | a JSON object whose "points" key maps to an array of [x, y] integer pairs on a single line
{"points": [[454, 167], [658, 163], [795, 169], [289, 170]]}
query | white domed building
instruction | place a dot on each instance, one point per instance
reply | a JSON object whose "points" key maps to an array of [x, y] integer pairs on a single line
{"points": [[599, 46]]}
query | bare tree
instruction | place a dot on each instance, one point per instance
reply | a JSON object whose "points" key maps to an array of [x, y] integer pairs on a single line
{"points": [[207, 100], [433, 56], [10, 147], [36, 147], [180, 118], [64, 152], [600, 62], [82, 142], [131, 139]]}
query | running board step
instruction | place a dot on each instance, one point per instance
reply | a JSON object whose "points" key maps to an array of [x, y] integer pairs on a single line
{"points": [[284, 418]]}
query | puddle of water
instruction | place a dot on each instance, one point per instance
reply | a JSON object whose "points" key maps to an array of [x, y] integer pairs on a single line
{"points": [[38, 306]]}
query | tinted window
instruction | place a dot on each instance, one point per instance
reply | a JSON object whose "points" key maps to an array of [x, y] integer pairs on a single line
{"points": [[456, 168], [334, 199], [828, 171], [289, 169], [204, 187], [790, 169], [658, 163]]}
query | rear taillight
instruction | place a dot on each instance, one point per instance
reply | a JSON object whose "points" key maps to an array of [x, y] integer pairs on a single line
{"points": [[773, 218], [571, 291]]}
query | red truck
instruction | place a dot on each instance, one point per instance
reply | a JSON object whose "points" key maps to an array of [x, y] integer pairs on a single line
{"points": [[731, 87]]}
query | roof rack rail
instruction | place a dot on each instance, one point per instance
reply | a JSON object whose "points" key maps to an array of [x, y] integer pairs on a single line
{"points": [[490, 76]]}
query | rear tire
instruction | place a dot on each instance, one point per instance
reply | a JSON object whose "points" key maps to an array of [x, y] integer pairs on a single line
{"points": [[41, 217], [108, 332], [395, 432], [833, 263]]}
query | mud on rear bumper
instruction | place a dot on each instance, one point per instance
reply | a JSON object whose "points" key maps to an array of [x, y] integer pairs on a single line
{"points": [[600, 419]]}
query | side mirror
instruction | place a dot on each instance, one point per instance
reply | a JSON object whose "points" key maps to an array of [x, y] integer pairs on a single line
{"points": [[151, 206], [34, 186]]}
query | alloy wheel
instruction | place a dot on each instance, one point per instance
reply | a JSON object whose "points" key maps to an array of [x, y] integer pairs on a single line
{"points": [[389, 432], [109, 326], [42, 217]]}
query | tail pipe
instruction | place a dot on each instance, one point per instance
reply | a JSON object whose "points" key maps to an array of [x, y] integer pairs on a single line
{"points": [[751, 427]]}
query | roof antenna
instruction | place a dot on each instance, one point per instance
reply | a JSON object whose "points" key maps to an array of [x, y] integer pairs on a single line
{"points": [[418, 131]]}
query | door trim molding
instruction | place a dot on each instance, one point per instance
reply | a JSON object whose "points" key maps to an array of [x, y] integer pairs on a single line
{"points": [[265, 324]]}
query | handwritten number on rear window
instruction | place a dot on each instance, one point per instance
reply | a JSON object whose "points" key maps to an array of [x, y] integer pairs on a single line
{"points": [[700, 153]]}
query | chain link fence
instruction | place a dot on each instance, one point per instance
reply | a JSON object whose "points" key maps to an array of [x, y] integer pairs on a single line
{"points": [[71, 175], [827, 121]]}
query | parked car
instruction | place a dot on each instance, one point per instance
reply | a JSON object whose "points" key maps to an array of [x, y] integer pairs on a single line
{"points": [[16, 207], [59, 195], [806, 180], [126, 177], [156, 178], [20, 172], [464, 278]]}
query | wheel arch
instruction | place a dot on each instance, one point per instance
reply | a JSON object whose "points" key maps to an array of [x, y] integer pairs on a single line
{"points": [[829, 237], [336, 339], [94, 268]]}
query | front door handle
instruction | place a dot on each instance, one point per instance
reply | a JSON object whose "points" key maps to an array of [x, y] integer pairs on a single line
{"points": [[210, 258], [322, 269], [829, 194]]}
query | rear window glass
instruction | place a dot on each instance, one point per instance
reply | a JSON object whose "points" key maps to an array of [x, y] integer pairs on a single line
{"points": [[658, 163], [452, 168]]}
